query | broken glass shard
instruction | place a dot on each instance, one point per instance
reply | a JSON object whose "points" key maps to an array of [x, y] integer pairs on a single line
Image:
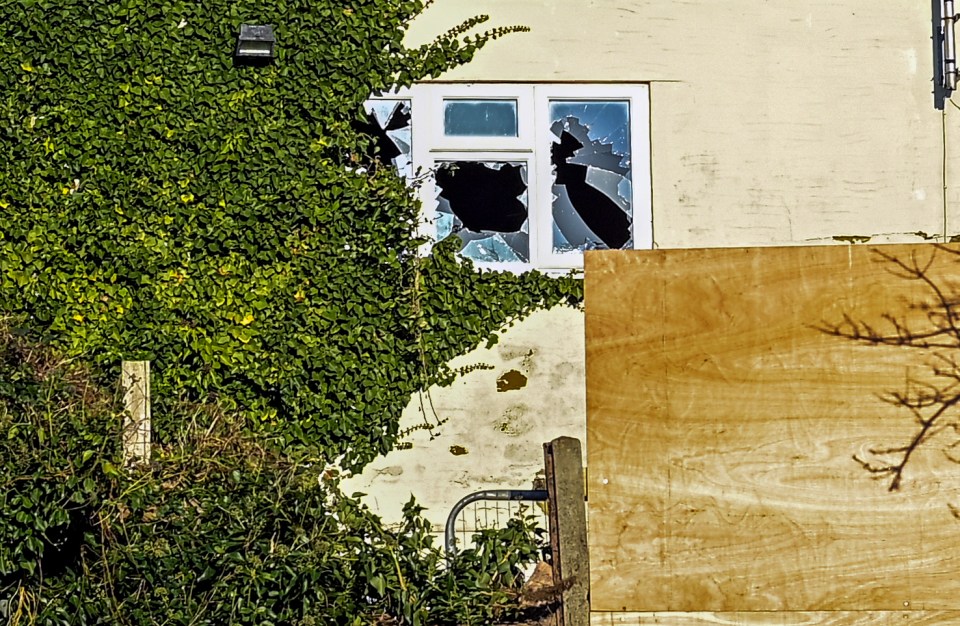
{"points": [[388, 123], [591, 162], [493, 249], [480, 118], [484, 203]]}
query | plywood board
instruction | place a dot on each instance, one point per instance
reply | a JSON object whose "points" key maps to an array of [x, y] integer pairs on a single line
{"points": [[778, 618], [722, 427]]}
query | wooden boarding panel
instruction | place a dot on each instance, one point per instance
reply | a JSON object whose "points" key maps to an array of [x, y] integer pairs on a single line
{"points": [[777, 618], [722, 431]]}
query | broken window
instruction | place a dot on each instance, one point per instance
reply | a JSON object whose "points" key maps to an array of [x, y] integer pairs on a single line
{"points": [[388, 123], [590, 156], [525, 176], [485, 205]]}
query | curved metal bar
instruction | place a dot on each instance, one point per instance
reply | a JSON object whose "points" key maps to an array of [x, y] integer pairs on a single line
{"points": [[449, 530]]}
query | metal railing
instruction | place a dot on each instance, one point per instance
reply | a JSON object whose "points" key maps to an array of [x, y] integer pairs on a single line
{"points": [[489, 509]]}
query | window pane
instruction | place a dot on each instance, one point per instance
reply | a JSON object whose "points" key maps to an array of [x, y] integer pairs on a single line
{"points": [[590, 155], [388, 123], [485, 205], [480, 118]]}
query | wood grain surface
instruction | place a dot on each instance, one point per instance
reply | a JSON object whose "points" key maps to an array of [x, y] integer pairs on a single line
{"points": [[778, 618], [722, 427]]}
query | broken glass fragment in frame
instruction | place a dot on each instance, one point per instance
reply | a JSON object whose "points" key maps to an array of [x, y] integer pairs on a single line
{"points": [[592, 194], [484, 203], [480, 118], [388, 122]]}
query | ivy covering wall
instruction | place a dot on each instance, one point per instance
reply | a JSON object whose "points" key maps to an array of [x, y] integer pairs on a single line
{"points": [[229, 225], [157, 202]]}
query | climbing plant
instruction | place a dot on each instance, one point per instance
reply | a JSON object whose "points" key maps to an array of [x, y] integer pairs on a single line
{"points": [[225, 222], [229, 224]]}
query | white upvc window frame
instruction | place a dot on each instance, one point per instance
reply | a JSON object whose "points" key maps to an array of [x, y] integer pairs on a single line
{"points": [[432, 104], [431, 146]]}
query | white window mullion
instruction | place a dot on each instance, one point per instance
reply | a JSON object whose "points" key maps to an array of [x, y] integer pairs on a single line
{"points": [[642, 183], [421, 115], [543, 220]]}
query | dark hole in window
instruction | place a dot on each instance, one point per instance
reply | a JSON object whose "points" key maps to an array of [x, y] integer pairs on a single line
{"points": [[597, 210], [484, 197], [383, 146]]}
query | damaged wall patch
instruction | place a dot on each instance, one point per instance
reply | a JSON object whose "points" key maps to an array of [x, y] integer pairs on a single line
{"points": [[511, 381]]}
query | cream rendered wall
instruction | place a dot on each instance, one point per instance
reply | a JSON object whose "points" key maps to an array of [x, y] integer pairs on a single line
{"points": [[799, 122], [493, 433]]}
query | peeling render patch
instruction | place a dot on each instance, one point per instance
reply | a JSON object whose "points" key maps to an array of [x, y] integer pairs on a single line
{"points": [[852, 238], [514, 422], [485, 205], [388, 122], [592, 187], [511, 381], [875, 238]]}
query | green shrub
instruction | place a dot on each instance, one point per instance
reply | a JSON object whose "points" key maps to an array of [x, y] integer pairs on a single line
{"points": [[219, 529]]}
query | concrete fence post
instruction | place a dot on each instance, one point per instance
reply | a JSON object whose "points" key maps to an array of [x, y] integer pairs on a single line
{"points": [[568, 528], [135, 379]]}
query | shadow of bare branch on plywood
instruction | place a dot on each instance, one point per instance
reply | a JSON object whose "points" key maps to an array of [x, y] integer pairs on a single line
{"points": [[929, 325]]}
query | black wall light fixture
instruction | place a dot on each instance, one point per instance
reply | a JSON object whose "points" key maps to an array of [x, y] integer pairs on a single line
{"points": [[255, 45], [948, 16]]}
